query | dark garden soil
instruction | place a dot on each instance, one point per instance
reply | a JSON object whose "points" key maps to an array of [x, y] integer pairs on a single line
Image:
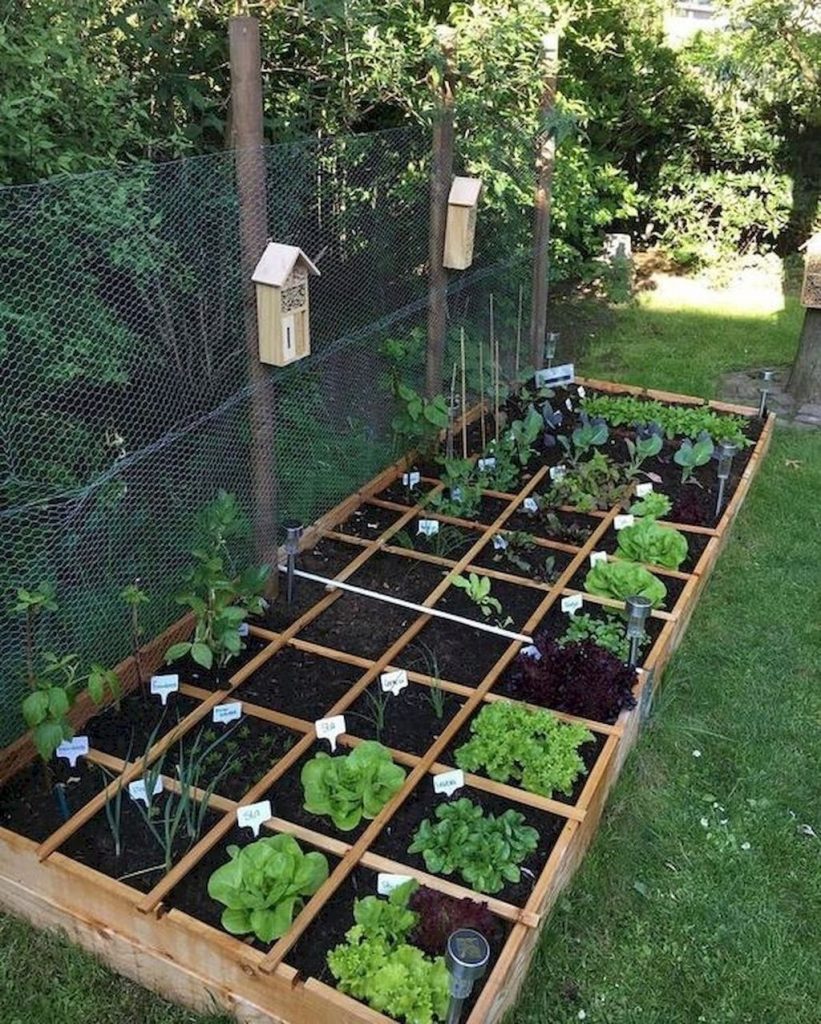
{"points": [[359, 625], [299, 684], [30, 809], [461, 655], [400, 494], [408, 579], [279, 614], [555, 622], [696, 543], [217, 678], [368, 522], [451, 542], [398, 834], [126, 732], [573, 527], [411, 722], [535, 554], [141, 856], [518, 603], [247, 748], [674, 586], [191, 894], [589, 753]]}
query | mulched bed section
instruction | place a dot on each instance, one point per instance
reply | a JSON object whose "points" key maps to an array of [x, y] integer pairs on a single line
{"points": [[396, 837], [461, 655], [299, 684], [368, 522], [27, 808], [410, 722]]}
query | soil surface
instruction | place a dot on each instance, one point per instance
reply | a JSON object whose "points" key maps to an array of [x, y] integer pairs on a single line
{"points": [[126, 732], [31, 808], [410, 720], [461, 654]]}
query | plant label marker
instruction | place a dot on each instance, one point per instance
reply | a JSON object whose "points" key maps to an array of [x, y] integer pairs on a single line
{"points": [[499, 542], [580, 391], [329, 728], [137, 790], [622, 522], [243, 629], [161, 686], [597, 556], [411, 480], [486, 464], [530, 505], [253, 815], [553, 376], [449, 782], [394, 682], [532, 651], [428, 527], [642, 490], [72, 749], [385, 883], [229, 712], [558, 473], [568, 405], [572, 603]]}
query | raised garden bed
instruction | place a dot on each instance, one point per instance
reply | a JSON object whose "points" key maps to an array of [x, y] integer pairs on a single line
{"points": [[324, 655]]}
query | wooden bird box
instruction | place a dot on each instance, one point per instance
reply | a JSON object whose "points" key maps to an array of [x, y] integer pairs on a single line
{"points": [[281, 278], [461, 226]]}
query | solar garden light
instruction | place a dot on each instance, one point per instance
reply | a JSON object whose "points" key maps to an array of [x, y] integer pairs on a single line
{"points": [[466, 956], [293, 533], [638, 608], [725, 450], [767, 376], [550, 345]]}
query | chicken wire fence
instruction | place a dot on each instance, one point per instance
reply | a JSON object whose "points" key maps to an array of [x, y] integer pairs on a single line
{"points": [[125, 398]]}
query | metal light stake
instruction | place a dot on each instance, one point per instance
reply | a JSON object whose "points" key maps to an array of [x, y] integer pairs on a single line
{"points": [[466, 957], [550, 346], [638, 608], [725, 451], [293, 534], [767, 376]]}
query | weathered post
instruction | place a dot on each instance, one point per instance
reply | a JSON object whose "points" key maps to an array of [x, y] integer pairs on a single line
{"points": [[441, 175], [805, 377], [545, 162], [247, 141]]}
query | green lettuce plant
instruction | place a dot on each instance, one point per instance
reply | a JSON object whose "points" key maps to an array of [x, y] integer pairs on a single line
{"points": [[351, 787], [511, 741], [263, 885], [646, 541], [676, 420], [378, 965], [654, 505], [620, 580], [484, 849]]}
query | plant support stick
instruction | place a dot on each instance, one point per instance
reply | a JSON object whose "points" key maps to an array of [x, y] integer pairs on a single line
{"points": [[464, 395], [482, 394]]}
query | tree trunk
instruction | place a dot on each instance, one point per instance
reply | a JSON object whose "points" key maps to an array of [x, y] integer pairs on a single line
{"points": [[545, 163], [805, 377], [247, 140], [441, 177]]}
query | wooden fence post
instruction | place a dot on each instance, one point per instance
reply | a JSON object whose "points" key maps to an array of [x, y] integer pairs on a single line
{"points": [[247, 141], [441, 176], [545, 162]]}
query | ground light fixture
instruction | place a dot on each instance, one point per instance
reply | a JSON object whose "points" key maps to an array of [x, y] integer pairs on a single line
{"points": [[767, 377], [725, 450], [466, 957], [293, 535], [638, 608], [551, 343]]}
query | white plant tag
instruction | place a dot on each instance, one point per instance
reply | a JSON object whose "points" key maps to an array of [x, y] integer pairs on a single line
{"points": [[488, 463], [394, 682], [448, 782], [429, 527], [530, 505], [581, 391], [532, 651], [622, 522], [72, 749], [568, 405], [642, 490], [558, 473], [329, 728], [163, 685], [499, 542], [456, 494], [229, 712], [597, 556], [385, 883], [411, 479], [137, 790], [253, 815], [555, 375], [243, 629], [572, 603]]}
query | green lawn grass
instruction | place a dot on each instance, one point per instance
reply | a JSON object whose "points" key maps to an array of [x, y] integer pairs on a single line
{"points": [[698, 901]]}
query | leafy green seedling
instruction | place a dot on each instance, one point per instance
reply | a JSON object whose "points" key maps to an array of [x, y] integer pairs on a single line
{"points": [[691, 455]]}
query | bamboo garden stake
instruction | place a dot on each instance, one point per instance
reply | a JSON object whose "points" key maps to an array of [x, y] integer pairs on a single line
{"points": [[482, 394], [519, 333], [494, 351], [464, 396]]}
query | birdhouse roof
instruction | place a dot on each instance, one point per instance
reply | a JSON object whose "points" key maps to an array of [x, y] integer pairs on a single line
{"points": [[277, 263], [465, 191]]}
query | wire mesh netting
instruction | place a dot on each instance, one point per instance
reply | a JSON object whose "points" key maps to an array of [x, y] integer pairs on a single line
{"points": [[126, 394]]}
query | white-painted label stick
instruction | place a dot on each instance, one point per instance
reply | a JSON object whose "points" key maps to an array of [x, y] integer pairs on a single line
{"points": [[428, 527], [229, 712], [137, 790], [385, 883], [642, 490], [597, 556], [530, 505], [622, 522], [393, 682], [448, 782], [161, 686], [572, 603], [329, 728], [253, 816], [72, 749]]}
